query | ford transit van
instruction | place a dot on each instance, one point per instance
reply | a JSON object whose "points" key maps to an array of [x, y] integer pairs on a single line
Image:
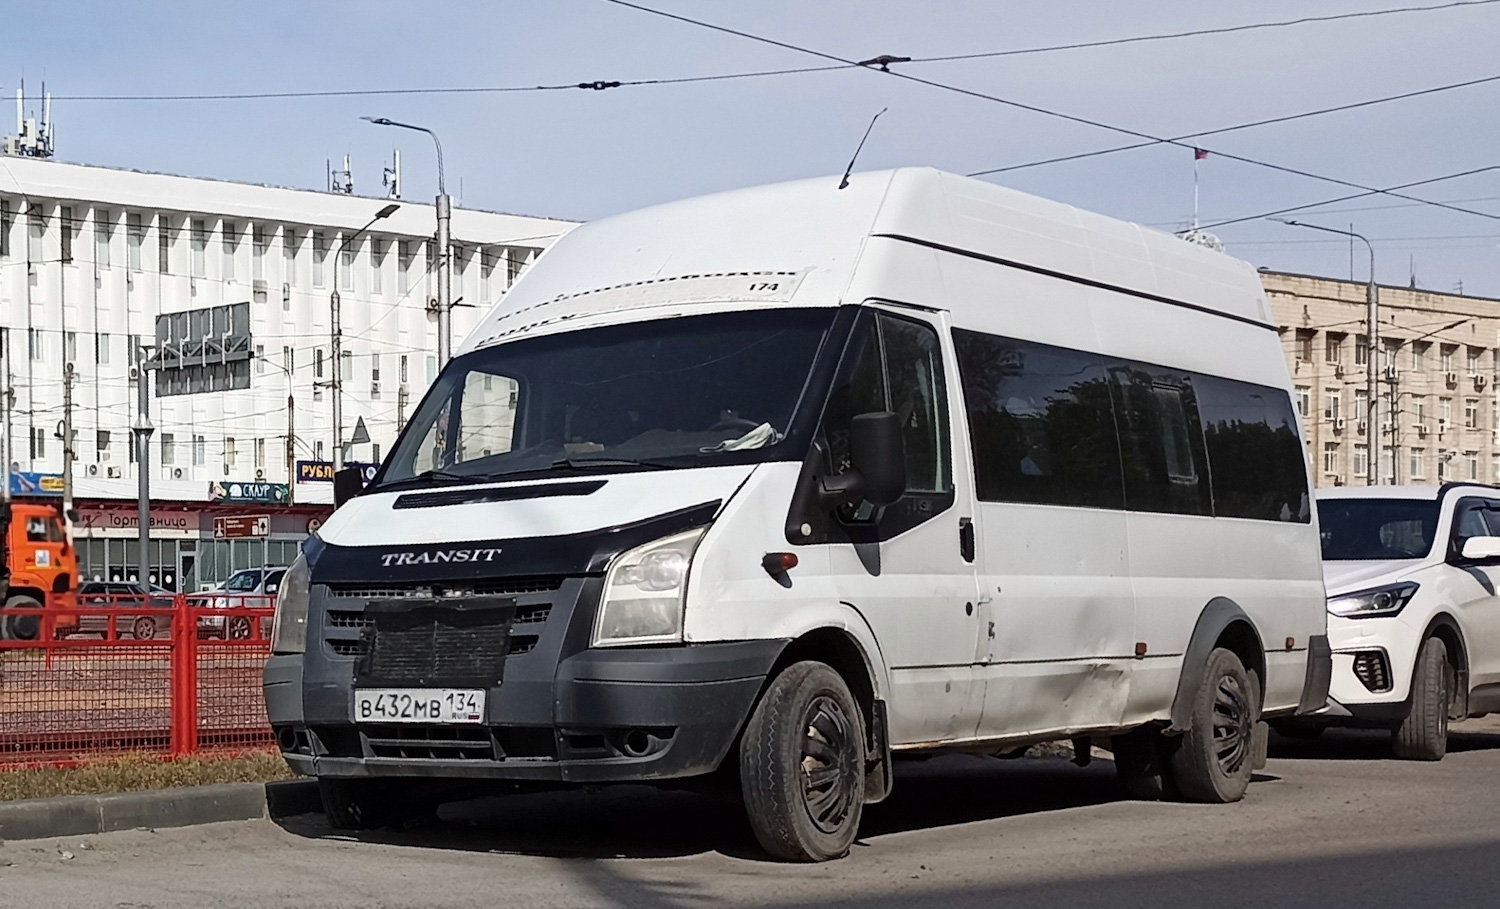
{"points": [[791, 482]]}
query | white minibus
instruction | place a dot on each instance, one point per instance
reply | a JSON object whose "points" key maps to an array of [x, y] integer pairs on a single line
{"points": [[784, 484]]}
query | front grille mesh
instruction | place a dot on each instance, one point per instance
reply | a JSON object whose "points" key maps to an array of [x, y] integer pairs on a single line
{"points": [[500, 587]]}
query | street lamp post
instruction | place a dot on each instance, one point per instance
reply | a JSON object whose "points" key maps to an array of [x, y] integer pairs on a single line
{"points": [[1372, 337], [444, 241], [336, 327]]}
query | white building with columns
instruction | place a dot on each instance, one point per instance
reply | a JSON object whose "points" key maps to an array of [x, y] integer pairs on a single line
{"points": [[90, 257]]}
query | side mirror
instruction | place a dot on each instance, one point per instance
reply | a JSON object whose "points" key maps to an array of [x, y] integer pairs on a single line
{"points": [[877, 457], [1478, 549], [347, 483]]}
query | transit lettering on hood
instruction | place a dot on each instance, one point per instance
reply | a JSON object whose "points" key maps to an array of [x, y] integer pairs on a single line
{"points": [[439, 555]]}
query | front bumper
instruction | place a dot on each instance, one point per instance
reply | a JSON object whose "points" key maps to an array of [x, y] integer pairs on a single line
{"points": [[631, 714]]}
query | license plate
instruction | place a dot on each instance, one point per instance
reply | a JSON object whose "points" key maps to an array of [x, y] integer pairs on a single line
{"points": [[419, 705]]}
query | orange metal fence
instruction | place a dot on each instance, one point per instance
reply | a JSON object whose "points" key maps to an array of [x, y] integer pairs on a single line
{"points": [[102, 675]]}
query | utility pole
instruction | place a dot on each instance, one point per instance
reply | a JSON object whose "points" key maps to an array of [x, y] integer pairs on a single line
{"points": [[291, 447], [337, 384], [67, 447], [143, 429], [7, 404]]}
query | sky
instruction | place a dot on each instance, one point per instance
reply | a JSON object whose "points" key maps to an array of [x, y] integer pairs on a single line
{"points": [[585, 154]]}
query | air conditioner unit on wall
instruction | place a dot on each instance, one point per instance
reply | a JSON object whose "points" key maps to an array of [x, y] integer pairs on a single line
{"points": [[1421, 430], [93, 470], [176, 473], [1338, 370], [260, 474], [1479, 381], [1363, 425], [1451, 379], [114, 473], [1338, 425]]}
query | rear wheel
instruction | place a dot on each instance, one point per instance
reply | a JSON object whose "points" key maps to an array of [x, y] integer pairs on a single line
{"points": [[21, 627], [143, 628], [802, 761], [1423, 735], [238, 629], [1216, 757]]}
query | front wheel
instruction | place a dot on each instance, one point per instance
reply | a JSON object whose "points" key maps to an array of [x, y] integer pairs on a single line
{"points": [[21, 627], [802, 761], [1423, 735], [144, 628], [1216, 757]]}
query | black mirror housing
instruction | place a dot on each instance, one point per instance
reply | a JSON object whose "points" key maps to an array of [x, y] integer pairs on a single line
{"points": [[347, 483], [878, 454]]}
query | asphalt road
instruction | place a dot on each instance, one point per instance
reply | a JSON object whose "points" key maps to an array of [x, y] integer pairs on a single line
{"points": [[1327, 824]]}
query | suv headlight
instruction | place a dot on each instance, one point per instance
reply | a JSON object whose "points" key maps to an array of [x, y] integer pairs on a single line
{"points": [[644, 592], [289, 627], [1377, 601]]}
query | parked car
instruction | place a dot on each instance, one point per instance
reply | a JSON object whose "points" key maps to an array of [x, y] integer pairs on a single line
{"points": [[249, 587], [123, 593], [1414, 612]]}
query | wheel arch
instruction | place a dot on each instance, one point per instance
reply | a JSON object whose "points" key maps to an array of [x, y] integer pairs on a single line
{"points": [[1445, 628], [1222, 623]]}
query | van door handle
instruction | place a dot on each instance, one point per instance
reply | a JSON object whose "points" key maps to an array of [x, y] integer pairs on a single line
{"points": [[966, 539]]}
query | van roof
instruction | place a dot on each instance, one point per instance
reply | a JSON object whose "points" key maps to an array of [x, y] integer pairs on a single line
{"points": [[798, 244]]}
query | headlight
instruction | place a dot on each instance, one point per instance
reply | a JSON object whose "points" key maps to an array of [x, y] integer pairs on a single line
{"points": [[644, 592], [289, 628], [1378, 601]]}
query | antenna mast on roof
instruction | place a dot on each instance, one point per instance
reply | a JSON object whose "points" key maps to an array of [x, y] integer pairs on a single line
{"points": [[32, 139], [391, 176], [341, 181]]}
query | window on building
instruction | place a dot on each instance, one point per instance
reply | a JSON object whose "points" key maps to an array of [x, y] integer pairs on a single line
{"points": [[38, 442], [260, 454], [318, 450], [168, 449], [1361, 405], [65, 233], [1471, 413], [486, 270], [1304, 401], [230, 233], [1418, 463], [375, 375], [516, 260], [1472, 361], [318, 363], [36, 233], [1419, 354], [346, 368], [403, 266], [288, 359], [230, 451], [103, 228], [1445, 411], [1331, 400], [1419, 408], [102, 344], [319, 257], [432, 370], [101, 444], [375, 452], [163, 245], [346, 267], [1389, 350], [403, 369], [290, 244], [1361, 350], [5, 222], [70, 347], [1304, 345], [200, 451], [135, 238], [1361, 460], [1333, 345], [1331, 458], [260, 242], [260, 359], [1471, 465], [199, 247], [377, 265], [1445, 363], [1388, 456], [34, 345]]}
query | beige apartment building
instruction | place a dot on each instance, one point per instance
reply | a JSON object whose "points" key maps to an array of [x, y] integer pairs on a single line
{"points": [[1438, 414]]}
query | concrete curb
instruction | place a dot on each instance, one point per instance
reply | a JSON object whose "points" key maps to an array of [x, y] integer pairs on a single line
{"points": [[76, 815]]}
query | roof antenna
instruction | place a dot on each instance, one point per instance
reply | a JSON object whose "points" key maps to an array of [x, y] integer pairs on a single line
{"points": [[850, 169]]}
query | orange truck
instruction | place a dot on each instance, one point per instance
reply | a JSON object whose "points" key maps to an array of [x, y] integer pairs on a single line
{"points": [[36, 559]]}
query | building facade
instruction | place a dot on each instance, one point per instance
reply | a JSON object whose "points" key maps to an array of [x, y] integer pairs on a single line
{"points": [[230, 285], [1438, 415]]}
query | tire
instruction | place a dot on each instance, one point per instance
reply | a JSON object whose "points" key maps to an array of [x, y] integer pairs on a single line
{"points": [[355, 804], [802, 765], [21, 627], [237, 629], [143, 628], [1141, 763], [1215, 758], [1423, 735]]}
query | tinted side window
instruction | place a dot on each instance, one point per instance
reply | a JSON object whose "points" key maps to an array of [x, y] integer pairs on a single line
{"points": [[1161, 441], [1255, 457], [1040, 423], [914, 379]]}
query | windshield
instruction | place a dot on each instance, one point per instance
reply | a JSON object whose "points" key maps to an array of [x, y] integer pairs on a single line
{"points": [[1377, 528], [243, 581], [667, 393]]}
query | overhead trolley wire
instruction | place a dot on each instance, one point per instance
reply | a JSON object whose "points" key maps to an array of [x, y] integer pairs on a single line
{"points": [[879, 64]]}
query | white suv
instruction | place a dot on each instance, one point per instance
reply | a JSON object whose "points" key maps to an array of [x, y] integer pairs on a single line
{"points": [[1414, 612]]}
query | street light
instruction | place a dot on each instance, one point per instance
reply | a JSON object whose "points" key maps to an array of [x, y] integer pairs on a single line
{"points": [[1372, 338], [445, 260], [337, 382]]}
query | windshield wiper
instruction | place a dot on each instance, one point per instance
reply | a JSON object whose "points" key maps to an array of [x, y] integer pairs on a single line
{"points": [[436, 476], [583, 463]]}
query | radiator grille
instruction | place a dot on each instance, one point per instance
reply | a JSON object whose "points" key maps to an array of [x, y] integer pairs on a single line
{"points": [[499, 587], [428, 645]]}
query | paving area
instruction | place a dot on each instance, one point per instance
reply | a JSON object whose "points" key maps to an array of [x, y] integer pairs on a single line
{"points": [[1330, 823]]}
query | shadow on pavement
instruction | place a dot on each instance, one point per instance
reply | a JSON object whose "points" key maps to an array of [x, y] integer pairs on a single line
{"points": [[643, 822], [1369, 745]]}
